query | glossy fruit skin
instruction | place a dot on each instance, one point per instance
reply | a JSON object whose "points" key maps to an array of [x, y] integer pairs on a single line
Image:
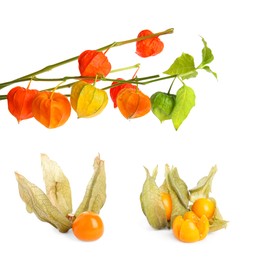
{"points": [[148, 47], [133, 103], [167, 202], [87, 100], [51, 109], [190, 228], [162, 105], [93, 63], [88, 226], [113, 91], [19, 102], [204, 206], [202, 223]]}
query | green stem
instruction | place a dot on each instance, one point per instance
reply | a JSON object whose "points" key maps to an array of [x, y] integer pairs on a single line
{"points": [[158, 79], [55, 65], [180, 79], [77, 77], [126, 68], [134, 81], [137, 81], [171, 85], [131, 81], [33, 74], [116, 44]]}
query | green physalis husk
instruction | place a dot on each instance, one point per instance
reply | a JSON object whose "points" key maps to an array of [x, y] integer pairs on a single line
{"points": [[162, 105], [55, 206]]}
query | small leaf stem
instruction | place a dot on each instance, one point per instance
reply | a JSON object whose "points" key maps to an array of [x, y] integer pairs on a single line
{"points": [[55, 89], [126, 68], [180, 79], [158, 79], [171, 85], [141, 81]]}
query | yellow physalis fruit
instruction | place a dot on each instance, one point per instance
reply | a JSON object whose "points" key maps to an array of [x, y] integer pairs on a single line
{"points": [[87, 100]]}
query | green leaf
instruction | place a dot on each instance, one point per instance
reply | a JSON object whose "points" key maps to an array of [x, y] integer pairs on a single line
{"points": [[36, 201], [208, 69], [183, 66], [178, 191], [95, 195], [203, 187], [57, 185], [207, 55], [151, 202], [185, 101]]}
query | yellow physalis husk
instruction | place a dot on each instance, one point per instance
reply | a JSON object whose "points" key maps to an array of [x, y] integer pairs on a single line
{"points": [[87, 100]]}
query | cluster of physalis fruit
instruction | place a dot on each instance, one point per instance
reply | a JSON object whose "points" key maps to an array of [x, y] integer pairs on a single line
{"points": [[52, 108], [190, 213], [55, 205]]}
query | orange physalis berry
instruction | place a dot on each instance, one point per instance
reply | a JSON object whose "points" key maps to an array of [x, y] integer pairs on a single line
{"points": [[19, 101], [204, 206], [167, 203], [93, 63], [148, 47], [51, 109], [133, 103], [115, 90], [88, 226]]}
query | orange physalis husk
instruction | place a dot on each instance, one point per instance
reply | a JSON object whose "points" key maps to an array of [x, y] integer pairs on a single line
{"points": [[148, 47], [133, 103], [19, 101], [115, 90], [87, 100], [93, 63], [51, 109]]}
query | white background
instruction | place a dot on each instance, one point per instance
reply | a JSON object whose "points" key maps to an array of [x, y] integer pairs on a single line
{"points": [[222, 129]]}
